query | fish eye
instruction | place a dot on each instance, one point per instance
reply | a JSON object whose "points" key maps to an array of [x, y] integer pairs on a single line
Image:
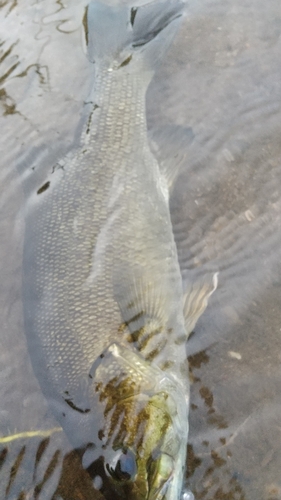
{"points": [[123, 466]]}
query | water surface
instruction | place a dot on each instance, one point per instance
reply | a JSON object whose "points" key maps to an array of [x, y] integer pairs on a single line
{"points": [[214, 115]]}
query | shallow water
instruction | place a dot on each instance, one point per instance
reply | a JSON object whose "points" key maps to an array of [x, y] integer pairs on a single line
{"points": [[213, 113]]}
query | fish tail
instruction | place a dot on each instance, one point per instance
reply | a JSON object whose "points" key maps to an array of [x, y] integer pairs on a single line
{"points": [[117, 35]]}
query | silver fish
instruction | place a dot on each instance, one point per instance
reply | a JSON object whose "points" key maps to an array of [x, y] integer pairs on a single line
{"points": [[105, 315]]}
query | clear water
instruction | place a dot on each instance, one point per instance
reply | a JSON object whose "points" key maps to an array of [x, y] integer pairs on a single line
{"points": [[214, 113]]}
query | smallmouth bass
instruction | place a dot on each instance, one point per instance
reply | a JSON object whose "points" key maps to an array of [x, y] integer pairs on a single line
{"points": [[106, 318]]}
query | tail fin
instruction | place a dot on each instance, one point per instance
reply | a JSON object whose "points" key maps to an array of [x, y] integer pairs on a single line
{"points": [[118, 34]]}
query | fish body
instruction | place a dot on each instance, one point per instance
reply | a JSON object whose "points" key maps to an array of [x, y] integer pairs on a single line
{"points": [[103, 297]]}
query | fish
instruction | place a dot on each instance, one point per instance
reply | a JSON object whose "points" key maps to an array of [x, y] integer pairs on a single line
{"points": [[106, 317]]}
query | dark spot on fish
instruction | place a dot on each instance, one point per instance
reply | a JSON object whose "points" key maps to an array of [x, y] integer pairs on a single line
{"points": [[50, 469], [90, 376], [66, 392], [134, 336], [196, 360], [122, 327], [136, 317], [144, 341], [194, 379], [130, 420], [101, 434], [156, 351], [218, 420], [192, 461], [193, 406], [133, 15], [166, 365], [41, 448], [190, 375], [98, 386], [205, 443], [102, 355], [122, 416], [15, 468], [43, 188], [223, 441], [209, 471], [234, 492], [85, 25], [117, 388], [63, 414], [3, 455], [218, 461], [207, 396], [72, 405], [126, 61]]}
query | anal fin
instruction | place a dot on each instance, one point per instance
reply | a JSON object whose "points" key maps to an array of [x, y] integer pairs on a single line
{"points": [[196, 299]]}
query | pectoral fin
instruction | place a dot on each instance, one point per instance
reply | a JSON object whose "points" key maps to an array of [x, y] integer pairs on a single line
{"points": [[142, 296], [196, 299]]}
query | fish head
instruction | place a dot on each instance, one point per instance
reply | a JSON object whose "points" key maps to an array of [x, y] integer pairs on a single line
{"points": [[143, 429], [148, 463]]}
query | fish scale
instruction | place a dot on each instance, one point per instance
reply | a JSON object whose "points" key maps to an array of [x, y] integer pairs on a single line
{"points": [[66, 270]]}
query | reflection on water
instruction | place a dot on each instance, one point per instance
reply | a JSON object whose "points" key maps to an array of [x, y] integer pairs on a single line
{"points": [[40, 468], [213, 113]]}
